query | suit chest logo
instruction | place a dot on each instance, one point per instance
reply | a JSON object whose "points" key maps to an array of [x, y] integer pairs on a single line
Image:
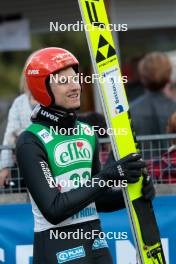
{"points": [[74, 151]]}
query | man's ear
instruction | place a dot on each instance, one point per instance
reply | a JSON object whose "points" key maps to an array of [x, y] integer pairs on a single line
{"points": [[48, 86]]}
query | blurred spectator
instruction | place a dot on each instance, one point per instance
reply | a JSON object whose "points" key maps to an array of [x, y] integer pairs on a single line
{"points": [[97, 120], [134, 88], [18, 120], [172, 57], [151, 111], [163, 169], [5, 104]]}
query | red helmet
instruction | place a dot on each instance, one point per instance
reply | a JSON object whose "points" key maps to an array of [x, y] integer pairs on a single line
{"points": [[40, 65]]}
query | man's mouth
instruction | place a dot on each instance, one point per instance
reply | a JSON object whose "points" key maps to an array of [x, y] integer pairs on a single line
{"points": [[73, 96]]}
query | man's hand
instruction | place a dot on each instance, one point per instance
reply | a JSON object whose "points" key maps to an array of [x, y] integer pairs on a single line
{"points": [[4, 177], [128, 168]]}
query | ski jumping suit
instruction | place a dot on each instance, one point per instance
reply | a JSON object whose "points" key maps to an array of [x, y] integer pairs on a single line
{"points": [[53, 163]]}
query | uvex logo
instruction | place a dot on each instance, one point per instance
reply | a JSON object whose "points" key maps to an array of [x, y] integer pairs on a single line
{"points": [[72, 151], [50, 116], [31, 72]]}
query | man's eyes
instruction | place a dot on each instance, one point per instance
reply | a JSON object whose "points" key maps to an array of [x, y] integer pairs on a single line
{"points": [[66, 80], [63, 80], [76, 78]]}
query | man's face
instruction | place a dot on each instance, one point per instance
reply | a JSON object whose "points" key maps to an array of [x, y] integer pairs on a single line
{"points": [[66, 88]]}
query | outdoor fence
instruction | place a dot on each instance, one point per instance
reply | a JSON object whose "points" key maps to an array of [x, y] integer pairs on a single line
{"points": [[158, 151]]}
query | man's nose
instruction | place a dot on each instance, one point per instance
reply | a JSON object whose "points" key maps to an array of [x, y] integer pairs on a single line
{"points": [[75, 85]]}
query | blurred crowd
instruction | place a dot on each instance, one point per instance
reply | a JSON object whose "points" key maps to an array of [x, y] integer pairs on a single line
{"points": [[153, 112]]}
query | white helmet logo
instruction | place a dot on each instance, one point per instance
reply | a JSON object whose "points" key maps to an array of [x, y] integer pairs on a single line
{"points": [[31, 72], [61, 56]]}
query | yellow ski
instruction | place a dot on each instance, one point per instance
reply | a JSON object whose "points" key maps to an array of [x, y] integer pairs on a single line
{"points": [[116, 109]]}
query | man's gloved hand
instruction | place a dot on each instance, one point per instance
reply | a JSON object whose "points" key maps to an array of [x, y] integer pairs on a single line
{"points": [[148, 189], [127, 168]]}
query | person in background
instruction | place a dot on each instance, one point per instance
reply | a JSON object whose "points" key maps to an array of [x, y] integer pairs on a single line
{"points": [[134, 88], [163, 169], [18, 120], [151, 111], [172, 58]]}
